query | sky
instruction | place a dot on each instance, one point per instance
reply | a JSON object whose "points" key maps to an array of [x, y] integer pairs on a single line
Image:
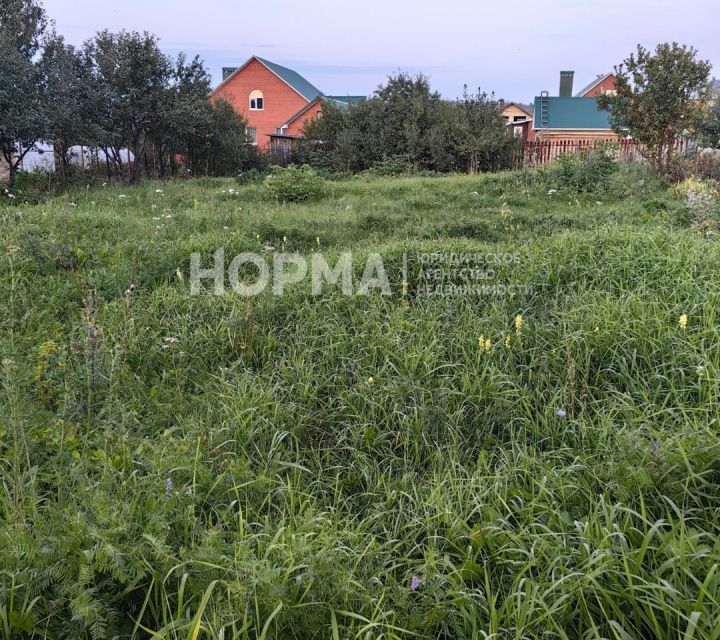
{"points": [[514, 49]]}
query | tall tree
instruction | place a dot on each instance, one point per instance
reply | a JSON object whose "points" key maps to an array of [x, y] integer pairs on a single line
{"points": [[130, 75], [659, 97], [23, 24], [71, 103]]}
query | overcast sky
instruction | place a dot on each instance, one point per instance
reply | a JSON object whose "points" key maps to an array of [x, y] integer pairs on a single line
{"points": [[515, 49]]}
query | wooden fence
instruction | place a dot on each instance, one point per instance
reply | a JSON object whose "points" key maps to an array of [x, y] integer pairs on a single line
{"points": [[539, 152]]}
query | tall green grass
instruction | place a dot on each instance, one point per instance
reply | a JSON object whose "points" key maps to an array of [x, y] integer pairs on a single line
{"points": [[178, 466]]}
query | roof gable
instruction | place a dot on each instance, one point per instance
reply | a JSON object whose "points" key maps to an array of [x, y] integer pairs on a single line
{"points": [[294, 79], [568, 112], [291, 78], [522, 107], [593, 84]]}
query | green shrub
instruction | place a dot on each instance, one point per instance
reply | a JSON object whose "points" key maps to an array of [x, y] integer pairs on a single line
{"points": [[252, 176], [582, 173], [393, 166], [295, 184]]}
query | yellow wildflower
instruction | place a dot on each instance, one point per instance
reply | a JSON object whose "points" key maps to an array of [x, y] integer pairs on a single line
{"points": [[507, 342], [597, 329], [371, 380], [518, 324], [682, 321], [487, 346]]}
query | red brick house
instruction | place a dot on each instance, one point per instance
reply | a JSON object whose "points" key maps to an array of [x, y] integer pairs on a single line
{"points": [[604, 83], [276, 101]]}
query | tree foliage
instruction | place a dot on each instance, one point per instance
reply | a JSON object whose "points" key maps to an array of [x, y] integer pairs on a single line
{"points": [[119, 94], [23, 25], [406, 121], [659, 97], [710, 126]]}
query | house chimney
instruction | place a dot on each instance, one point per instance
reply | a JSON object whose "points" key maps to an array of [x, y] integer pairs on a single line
{"points": [[566, 83]]}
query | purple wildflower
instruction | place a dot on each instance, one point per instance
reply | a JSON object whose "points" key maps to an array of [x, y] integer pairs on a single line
{"points": [[414, 583], [168, 485], [560, 413]]}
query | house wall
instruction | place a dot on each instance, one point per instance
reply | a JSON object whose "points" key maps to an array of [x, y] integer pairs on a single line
{"points": [[577, 134], [295, 128], [608, 84], [280, 100], [523, 130], [511, 111], [4, 171]]}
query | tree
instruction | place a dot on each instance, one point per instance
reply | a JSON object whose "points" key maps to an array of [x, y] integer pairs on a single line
{"points": [[130, 76], [659, 98], [183, 108], [70, 101], [22, 87], [406, 121]]}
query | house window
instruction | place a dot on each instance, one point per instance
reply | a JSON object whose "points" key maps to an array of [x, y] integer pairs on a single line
{"points": [[256, 100], [506, 119], [251, 133], [519, 119]]}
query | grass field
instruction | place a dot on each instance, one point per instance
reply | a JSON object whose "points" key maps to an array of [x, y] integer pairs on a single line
{"points": [[333, 466]]}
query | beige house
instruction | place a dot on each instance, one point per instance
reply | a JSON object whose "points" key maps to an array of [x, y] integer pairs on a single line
{"points": [[513, 112], [518, 119], [4, 171]]}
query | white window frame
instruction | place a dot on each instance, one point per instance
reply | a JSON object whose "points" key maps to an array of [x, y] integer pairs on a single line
{"points": [[256, 94]]}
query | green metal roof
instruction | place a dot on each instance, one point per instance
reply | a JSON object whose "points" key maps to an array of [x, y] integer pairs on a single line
{"points": [[571, 113], [294, 79], [347, 99]]}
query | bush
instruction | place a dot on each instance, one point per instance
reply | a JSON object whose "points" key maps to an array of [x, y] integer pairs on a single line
{"points": [[701, 203], [393, 166], [702, 166], [582, 173], [251, 176], [295, 184]]}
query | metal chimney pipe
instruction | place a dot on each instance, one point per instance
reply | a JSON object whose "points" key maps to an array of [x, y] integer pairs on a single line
{"points": [[566, 83]]}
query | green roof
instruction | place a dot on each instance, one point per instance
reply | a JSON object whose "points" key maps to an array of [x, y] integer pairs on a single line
{"points": [[571, 113], [347, 99], [294, 79]]}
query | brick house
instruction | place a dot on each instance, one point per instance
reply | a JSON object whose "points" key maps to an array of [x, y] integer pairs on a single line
{"points": [[604, 83], [276, 101]]}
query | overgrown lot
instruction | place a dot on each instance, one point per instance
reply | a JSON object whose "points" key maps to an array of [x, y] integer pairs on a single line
{"points": [[337, 466]]}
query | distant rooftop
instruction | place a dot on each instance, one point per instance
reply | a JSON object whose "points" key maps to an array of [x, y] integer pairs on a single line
{"points": [[568, 112], [587, 88], [303, 86], [346, 99]]}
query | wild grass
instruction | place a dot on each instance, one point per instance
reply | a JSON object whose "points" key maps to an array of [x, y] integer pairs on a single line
{"points": [[178, 466]]}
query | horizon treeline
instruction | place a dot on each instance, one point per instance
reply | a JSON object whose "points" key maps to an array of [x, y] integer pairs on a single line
{"points": [[142, 113]]}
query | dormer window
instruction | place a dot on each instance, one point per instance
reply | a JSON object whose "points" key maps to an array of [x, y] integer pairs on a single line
{"points": [[256, 100]]}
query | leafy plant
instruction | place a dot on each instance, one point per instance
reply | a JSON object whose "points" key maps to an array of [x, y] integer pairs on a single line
{"points": [[295, 184]]}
